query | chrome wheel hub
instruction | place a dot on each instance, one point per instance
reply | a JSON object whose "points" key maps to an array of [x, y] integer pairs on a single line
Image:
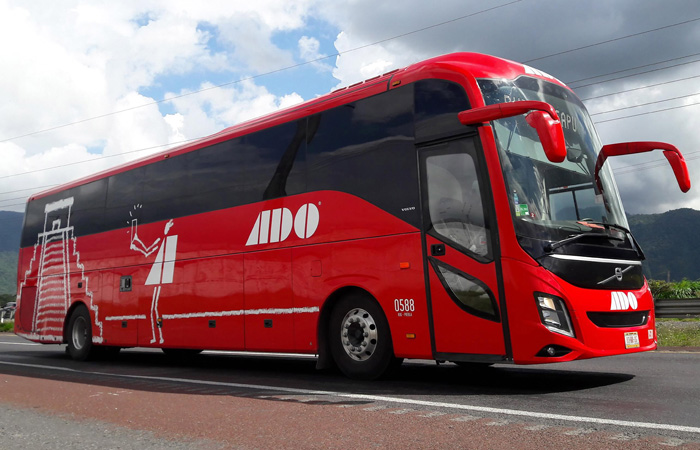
{"points": [[358, 334]]}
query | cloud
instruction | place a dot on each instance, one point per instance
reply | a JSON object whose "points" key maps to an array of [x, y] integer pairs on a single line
{"points": [[79, 60], [76, 59], [214, 109], [309, 51], [530, 32]]}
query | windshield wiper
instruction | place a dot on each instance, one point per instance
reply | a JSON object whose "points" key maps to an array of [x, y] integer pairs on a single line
{"points": [[604, 225], [550, 247]]}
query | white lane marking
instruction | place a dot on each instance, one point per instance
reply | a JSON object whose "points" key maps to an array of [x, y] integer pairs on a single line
{"points": [[381, 398]]}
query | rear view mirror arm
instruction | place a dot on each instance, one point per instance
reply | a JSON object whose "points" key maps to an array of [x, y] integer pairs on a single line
{"points": [[672, 154], [540, 115]]}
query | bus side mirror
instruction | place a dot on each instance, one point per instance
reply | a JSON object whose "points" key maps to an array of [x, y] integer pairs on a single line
{"points": [[540, 115], [672, 154]]}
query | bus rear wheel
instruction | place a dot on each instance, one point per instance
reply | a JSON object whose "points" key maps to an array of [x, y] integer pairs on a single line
{"points": [[79, 336], [360, 340]]}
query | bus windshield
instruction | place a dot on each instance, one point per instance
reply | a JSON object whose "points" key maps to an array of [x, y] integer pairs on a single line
{"points": [[553, 201]]}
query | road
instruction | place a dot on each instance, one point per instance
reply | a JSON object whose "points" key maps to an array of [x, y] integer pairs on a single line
{"points": [[144, 399]]}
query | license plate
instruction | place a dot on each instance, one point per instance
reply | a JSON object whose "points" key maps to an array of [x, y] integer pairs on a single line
{"points": [[632, 340]]}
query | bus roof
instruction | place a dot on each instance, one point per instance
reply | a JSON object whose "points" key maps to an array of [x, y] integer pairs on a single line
{"points": [[471, 65]]}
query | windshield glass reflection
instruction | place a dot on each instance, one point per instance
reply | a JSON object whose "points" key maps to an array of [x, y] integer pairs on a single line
{"points": [[551, 201]]}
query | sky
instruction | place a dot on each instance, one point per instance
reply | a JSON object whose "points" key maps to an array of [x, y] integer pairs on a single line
{"points": [[87, 85]]}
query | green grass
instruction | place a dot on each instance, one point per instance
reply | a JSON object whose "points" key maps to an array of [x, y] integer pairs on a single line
{"points": [[678, 332], [7, 326]]}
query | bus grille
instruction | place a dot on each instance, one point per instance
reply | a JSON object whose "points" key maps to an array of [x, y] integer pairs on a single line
{"points": [[619, 319]]}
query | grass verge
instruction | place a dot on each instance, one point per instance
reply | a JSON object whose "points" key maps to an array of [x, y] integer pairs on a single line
{"points": [[7, 326], [678, 332]]}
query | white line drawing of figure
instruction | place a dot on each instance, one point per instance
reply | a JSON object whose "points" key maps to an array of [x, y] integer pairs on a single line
{"points": [[162, 270]]}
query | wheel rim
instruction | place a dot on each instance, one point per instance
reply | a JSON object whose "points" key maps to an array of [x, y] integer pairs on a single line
{"points": [[358, 334], [79, 335]]}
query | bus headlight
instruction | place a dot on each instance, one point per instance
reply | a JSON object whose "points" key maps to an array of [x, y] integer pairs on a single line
{"points": [[554, 314]]}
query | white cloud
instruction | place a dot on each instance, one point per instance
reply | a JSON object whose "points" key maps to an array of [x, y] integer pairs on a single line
{"points": [[64, 62], [214, 109], [309, 51], [75, 60]]}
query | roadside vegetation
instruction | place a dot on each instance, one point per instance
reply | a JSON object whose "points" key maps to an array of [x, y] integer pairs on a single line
{"points": [[678, 332], [6, 326], [675, 289]]}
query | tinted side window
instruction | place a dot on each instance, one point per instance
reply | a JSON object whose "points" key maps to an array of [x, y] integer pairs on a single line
{"points": [[366, 148], [124, 193], [164, 186], [248, 169], [86, 211], [437, 105]]}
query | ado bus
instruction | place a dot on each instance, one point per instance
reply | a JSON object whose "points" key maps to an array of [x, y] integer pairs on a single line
{"points": [[458, 209]]}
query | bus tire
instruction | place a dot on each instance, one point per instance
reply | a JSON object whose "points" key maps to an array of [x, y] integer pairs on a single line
{"points": [[360, 340], [79, 334]]}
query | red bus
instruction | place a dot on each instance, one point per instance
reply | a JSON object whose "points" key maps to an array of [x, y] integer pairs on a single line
{"points": [[458, 210]]}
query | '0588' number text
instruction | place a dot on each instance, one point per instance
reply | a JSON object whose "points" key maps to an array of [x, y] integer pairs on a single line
{"points": [[404, 305]]}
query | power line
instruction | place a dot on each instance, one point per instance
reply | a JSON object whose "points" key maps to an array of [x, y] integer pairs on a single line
{"points": [[639, 88], [685, 156], [195, 139], [368, 45], [28, 189], [335, 55], [657, 164], [633, 68], [636, 74], [644, 104], [100, 158], [648, 112], [614, 40], [294, 66]]}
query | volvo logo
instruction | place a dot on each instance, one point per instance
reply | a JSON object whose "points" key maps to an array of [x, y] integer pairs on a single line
{"points": [[619, 274]]}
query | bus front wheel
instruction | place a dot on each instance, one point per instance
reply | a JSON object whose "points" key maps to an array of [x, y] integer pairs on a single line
{"points": [[80, 334], [360, 340]]}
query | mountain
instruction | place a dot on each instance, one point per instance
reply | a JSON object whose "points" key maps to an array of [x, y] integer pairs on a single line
{"points": [[671, 243], [10, 229]]}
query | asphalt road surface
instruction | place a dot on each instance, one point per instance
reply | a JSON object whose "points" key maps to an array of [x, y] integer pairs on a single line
{"points": [[145, 399]]}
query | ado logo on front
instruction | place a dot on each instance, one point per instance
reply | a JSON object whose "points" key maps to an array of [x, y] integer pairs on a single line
{"points": [[620, 301], [276, 225]]}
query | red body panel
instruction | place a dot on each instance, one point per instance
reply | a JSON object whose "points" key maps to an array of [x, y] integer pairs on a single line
{"points": [[529, 336], [283, 283], [260, 276]]}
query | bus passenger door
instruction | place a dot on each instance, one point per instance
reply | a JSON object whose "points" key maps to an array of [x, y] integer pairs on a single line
{"points": [[460, 239]]}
